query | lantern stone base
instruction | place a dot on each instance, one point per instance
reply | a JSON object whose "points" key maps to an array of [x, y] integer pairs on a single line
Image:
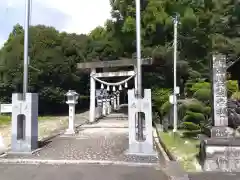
{"points": [[70, 132]]}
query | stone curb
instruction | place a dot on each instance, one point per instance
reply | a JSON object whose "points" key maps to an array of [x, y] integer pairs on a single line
{"points": [[168, 155], [62, 162], [171, 167]]}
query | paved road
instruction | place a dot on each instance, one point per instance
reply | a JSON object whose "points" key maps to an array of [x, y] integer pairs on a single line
{"points": [[105, 140], [78, 172], [214, 175]]}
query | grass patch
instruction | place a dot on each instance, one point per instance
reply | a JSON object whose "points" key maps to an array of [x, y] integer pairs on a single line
{"points": [[184, 149], [6, 119]]}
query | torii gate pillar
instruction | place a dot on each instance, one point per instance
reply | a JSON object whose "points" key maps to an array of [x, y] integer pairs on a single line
{"points": [[92, 96]]}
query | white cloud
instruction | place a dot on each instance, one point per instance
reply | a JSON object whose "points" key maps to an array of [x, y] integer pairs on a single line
{"points": [[73, 16], [84, 15]]}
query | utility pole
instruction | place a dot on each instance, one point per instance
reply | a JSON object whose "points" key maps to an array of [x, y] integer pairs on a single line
{"points": [[26, 58], [175, 115], [139, 66], [138, 38]]}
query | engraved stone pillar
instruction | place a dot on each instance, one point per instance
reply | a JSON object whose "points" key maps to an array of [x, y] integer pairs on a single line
{"points": [[219, 96], [213, 154], [24, 123], [135, 106]]}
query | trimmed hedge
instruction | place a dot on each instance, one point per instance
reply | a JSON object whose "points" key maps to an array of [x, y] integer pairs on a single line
{"points": [[195, 106], [160, 96], [203, 95], [207, 110], [190, 126], [194, 117], [165, 108], [191, 134], [200, 85], [236, 96], [232, 87]]}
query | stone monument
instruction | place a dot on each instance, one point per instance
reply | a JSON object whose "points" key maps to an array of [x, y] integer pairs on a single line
{"points": [[215, 152], [24, 123]]}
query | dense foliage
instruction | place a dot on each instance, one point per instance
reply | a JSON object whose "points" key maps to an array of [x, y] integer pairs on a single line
{"points": [[205, 26]]}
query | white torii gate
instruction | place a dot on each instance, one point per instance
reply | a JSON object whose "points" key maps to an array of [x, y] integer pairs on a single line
{"points": [[95, 77], [136, 106]]}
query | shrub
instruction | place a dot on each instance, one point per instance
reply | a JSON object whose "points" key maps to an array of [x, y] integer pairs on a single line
{"points": [[236, 96], [200, 85], [194, 74], [207, 110], [160, 96], [232, 86], [195, 106], [194, 117], [182, 109], [165, 108], [191, 134], [203, 95], [190, 126], [156, 117]]}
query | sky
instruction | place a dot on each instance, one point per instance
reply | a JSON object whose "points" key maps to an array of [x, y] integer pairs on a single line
{"points": [[73, 16]]}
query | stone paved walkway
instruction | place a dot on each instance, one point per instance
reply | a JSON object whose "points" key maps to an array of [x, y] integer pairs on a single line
{"points": [[78, 172], [97, 151], [106, 140]]}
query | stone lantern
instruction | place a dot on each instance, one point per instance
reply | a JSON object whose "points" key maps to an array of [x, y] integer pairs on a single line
{"points": [[72, 100]]}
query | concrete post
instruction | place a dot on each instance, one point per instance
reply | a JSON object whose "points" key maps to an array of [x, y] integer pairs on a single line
{"points": [[114, 102], [108, 105], [118, 98], [104, 112], [24, 123], [99, 107], [144, 105]]}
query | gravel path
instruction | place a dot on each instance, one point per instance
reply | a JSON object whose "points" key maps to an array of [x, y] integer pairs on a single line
{"points": [[46, 127], [106, 140]]}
